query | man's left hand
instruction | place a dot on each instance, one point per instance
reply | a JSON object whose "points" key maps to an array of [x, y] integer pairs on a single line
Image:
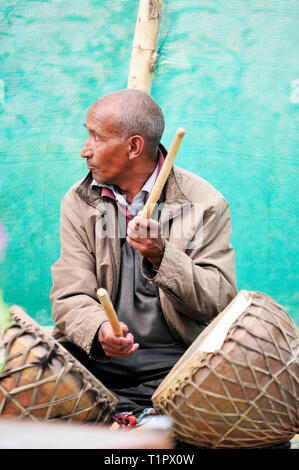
{"points": [[145, 236]]}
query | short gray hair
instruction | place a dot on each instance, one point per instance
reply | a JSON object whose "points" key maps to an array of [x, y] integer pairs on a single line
{"points": [[138, 114]]}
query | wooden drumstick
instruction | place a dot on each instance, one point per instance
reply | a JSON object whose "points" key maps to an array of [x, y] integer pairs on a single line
{"points": [[110, 312], [163, 175]]}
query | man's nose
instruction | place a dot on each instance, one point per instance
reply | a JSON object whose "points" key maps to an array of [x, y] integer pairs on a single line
{"points": [[87, 151]]}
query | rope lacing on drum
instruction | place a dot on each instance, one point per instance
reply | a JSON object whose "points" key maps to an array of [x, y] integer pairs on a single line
{"points": [[228, 397], [85, 396]]}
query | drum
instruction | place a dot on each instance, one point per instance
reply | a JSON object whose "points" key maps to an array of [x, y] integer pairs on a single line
{"points": [[43, 381], [237, 386]]}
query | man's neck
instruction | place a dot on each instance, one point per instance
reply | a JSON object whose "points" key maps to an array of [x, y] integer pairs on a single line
{"points": [[130, 188]]}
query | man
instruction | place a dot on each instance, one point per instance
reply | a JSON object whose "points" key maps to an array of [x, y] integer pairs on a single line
{"points": [[167, 276]]}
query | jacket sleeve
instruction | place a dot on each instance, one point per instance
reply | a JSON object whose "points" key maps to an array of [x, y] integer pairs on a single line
{"points": [[76, 312], [201, 282]]}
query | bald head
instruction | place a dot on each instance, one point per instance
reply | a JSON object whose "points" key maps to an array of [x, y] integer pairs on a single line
{"points": [[135, 113]]}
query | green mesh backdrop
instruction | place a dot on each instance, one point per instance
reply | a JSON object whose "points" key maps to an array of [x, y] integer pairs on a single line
{"points": [[228, 73]]}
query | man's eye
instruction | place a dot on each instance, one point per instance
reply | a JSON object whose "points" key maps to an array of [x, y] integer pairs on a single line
{"points": [[94, 135]]}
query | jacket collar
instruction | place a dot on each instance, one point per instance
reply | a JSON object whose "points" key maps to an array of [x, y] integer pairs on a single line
{"points": [[175, 197]]}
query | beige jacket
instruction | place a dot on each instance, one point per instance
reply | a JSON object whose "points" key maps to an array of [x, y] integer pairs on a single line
{"points": [[195, 281]]}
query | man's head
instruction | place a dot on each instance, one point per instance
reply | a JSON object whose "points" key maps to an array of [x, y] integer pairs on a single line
{"points": [[122, 126]]}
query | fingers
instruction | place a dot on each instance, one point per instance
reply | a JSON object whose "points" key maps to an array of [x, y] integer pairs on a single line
{"points": [[137, 245], [118, 352], [116, 346], [140, 228], [123, 327], [122, 349], [145, 236]]}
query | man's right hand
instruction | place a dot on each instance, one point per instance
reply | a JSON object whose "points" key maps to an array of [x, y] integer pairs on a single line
{"points": [[116, 346]]}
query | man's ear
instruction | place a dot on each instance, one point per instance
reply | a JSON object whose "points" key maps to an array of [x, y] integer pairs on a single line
{"points": [[135, 146]]}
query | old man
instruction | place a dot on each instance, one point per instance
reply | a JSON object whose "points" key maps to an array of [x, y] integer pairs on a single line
{"points": [[167, 276]]}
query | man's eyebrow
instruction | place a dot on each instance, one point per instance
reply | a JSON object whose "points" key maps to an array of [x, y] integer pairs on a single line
{"points": [[90, 129]]}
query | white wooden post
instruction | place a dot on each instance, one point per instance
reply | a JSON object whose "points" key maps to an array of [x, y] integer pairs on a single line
{"points": [[144, 50]]}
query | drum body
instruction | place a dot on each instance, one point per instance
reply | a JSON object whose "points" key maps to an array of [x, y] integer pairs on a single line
{"points": [[42, 380], [237, 386]]}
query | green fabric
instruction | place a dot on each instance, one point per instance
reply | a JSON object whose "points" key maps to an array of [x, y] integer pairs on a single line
{"points": [[227, 72]]}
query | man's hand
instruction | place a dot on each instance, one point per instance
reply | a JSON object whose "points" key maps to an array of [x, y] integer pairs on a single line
{"points": [[116, 346], [145, 236]]}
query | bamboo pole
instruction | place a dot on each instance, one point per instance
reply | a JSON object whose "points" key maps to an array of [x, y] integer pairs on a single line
{"points": [[104, 298], [144, 50], [163, 175]]}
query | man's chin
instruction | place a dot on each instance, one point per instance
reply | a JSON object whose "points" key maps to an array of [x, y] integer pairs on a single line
{"points": [[98, 178], [95, 175]]}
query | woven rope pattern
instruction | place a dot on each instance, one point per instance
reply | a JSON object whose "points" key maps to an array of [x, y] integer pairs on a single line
{"points": [[246, 394], [43, 381]]}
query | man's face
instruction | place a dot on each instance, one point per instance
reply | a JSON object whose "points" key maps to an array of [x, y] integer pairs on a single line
{"points": [[105, 151]]}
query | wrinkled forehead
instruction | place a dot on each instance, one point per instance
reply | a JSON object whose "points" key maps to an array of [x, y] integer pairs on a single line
{"points": [[100, 111], [104, 117]]}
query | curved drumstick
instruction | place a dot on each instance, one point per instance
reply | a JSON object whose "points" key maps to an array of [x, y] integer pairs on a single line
{"points": [[110, 312], [163, 175]]}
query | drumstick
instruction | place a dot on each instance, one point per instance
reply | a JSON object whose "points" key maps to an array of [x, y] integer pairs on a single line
{"points": [[163, 175], [110, 312]]}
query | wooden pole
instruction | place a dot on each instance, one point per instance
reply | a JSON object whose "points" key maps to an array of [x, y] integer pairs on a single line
{"points": [[163, 175], [104, 298], [144, 50]]}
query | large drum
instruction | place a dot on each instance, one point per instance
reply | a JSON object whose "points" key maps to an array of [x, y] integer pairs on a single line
{"points": [[237, 386], [42, 380]]}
